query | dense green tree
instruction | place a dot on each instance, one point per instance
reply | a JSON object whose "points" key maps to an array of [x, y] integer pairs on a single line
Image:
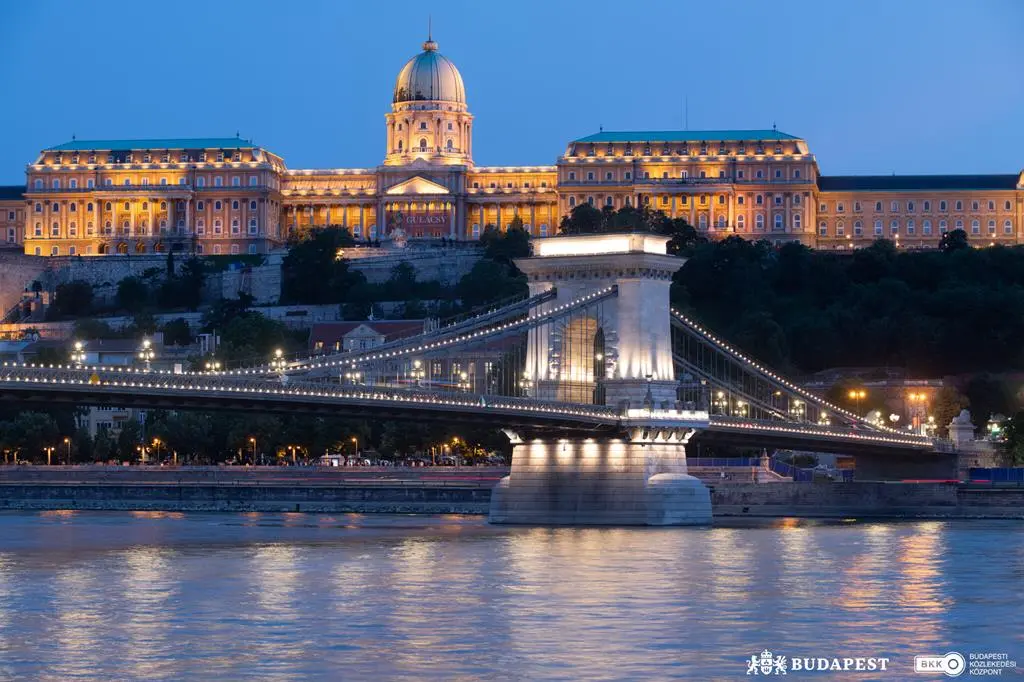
{"points": [[128, 440], [489, 281], [583, 219], [71, 299], [28, 433], [103, 446], [132, 294], [177, 333], [1013, 444], [954, 240], [508, 245], [948, 403], [989, 396], [315, 271], [94, 329]]}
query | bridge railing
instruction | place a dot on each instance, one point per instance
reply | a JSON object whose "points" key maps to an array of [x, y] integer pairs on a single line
{"points": [[92, 382], [457, 325], [856, 433]]}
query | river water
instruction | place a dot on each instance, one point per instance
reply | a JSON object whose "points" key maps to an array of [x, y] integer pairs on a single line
{"points": [[165, 596]]}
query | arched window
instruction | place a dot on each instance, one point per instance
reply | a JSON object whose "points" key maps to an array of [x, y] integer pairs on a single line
{"points": [[145, 205], [777, 222], [163, 205], [108, 207], [423, 143], [234, 205], [894, 227], [878, 228], [38, 230], [55, 229], [38, 184], [702, 221], [218, 181], [858, 228], [73, 207], [759, 221], [252, 226], [88, 207], [127, 206], [823, 228], [252, 205], [991, 227], [216, 206], [911, 227], [741, 222], [399, 142], [926, 226], [1007, 227], [56, 207], [450, 145], [975, 226], [572, 202], [797, 222]]}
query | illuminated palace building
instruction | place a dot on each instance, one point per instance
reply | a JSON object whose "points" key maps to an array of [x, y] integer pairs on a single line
{"points": [[230, 196]]}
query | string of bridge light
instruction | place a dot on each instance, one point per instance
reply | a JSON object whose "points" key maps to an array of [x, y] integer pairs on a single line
{"points": [[764, 370], [437, 345], [502, 404], [268, 370], [812, 429], [306, 363]]}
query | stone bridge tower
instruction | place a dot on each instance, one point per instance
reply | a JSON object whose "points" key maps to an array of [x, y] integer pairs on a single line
{"points": [[620, 354], [617, 352]]}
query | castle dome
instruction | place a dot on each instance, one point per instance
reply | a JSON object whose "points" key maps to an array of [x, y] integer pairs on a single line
{"points": [[429, 76]]}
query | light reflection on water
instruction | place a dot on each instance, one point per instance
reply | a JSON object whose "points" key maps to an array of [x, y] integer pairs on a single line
{"points": [[281, 597]]}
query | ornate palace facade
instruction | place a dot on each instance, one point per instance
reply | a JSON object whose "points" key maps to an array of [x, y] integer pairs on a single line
{"points": [[229, 196]]}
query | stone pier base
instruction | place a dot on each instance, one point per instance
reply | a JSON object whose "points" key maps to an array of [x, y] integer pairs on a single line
{"points": [[607, 482]]}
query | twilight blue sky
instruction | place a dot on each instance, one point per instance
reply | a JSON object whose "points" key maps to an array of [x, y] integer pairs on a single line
{"points": [[905, 86]]}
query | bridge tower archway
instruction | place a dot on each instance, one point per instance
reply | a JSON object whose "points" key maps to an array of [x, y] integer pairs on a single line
{"points": [[629, 331]]}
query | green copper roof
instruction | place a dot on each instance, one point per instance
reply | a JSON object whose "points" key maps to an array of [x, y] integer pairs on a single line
{"points": [[685, 136], [168, 143]]}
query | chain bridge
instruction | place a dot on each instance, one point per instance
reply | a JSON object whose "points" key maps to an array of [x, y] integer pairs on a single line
{"points": [[598, 383]]}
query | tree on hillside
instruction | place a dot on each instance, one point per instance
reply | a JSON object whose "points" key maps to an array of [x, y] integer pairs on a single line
{"points": [[487, 282], [132, 294], [948, 403], [1013, 445], [954, 240], [71, 299], [584, 219], [315, 271], [505, 246]]}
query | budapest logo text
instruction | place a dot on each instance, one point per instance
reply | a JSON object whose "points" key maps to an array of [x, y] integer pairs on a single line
{"points": [[769, 664]]}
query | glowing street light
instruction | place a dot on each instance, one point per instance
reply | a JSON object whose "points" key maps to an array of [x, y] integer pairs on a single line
{"points": [[49, 452], [278, 363], [856, 396], [252, 440], [78, 354], [67, 446], [213, 365], [146, 353]]}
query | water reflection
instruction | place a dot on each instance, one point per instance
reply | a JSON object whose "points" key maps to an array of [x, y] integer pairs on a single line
{"points": [[290, 596]]}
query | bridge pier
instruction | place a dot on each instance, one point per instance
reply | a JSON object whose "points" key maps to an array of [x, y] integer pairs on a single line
{"points": [[639, 479]]}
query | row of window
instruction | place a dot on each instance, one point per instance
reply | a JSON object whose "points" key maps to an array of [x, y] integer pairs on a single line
{"points": [[911, 227], [759, 174], [508, 185], [702, 199], [147, 157], [143, 227], [90, 183], [140, 248], [911, 206], [109, 206], [686, 150]]}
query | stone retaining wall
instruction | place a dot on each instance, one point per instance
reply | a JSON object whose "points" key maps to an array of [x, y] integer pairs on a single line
{"points": [[867, 500], [235, 498]]}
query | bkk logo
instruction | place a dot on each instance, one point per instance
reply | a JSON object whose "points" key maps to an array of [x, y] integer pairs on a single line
{"points": [[953, 664], [769, 664]]}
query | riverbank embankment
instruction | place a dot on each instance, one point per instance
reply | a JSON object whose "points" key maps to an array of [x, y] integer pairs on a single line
{"points": [[455, 490]]}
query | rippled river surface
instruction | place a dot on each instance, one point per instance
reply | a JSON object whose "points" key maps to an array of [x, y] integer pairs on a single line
{"points": [[158, 596]]}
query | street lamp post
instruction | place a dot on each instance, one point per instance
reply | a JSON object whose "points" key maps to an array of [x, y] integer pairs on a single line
{"points": [[78, 354], [212, 365], [146, 353], [49, 453], [856, 396], [417, 371], [67, 445], [253, 441], [157, 443]]}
